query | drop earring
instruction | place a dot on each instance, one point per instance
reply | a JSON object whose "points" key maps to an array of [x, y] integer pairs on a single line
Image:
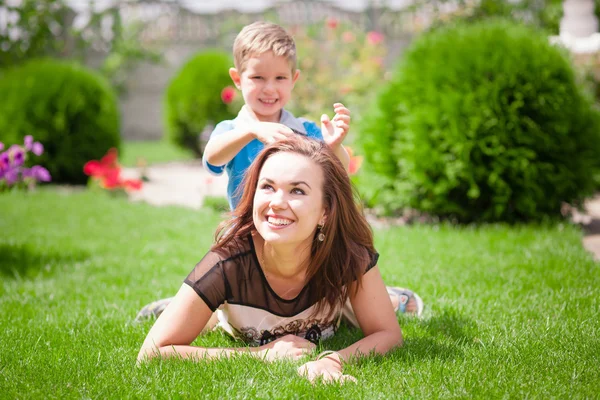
{"points": [[321, 235]]}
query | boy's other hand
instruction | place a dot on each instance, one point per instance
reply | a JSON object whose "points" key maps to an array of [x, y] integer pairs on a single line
{"points": [[270, 132], [334, 131]]}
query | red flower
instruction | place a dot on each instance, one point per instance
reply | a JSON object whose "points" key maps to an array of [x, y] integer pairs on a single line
{"points": [[91, 168], [355, 161], [133, 184], [374, 37], [108, 172], [110, 158], [110, 182], [331, 22], [228, 94]]}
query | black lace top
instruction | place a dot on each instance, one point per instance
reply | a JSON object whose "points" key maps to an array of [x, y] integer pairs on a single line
{"points": [[233, 284]]}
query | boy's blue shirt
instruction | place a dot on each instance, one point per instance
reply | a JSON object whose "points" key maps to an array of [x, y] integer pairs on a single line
{"points": [[236, 168]]}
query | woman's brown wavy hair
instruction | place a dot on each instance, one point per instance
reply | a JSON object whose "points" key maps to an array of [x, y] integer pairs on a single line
{"points": [[346, 251]]}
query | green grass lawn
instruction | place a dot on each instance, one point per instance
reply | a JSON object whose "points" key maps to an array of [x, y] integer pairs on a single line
{"points": [[153, 152], [512, 312]]}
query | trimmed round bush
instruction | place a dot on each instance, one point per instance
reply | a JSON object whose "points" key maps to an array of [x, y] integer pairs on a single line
{"points": [[193, 98], [71, 110], [481, 122]]}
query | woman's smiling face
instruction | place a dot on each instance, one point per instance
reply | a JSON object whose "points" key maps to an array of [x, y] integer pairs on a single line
{"points": [[288, 203]]}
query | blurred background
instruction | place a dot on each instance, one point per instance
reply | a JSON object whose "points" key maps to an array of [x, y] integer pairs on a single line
{"points": [[451, 117]]}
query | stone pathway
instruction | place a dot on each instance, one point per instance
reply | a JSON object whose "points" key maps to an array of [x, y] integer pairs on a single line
{"points": [[187, 183], [590, 221], [178, 183]]}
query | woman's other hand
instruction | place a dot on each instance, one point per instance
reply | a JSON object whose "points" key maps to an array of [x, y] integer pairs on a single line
{"points": [[289, 346], [328, 369]]}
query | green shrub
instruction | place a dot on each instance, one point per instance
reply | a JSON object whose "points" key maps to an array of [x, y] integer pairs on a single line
{"points": [[193, 98], [542, 14], [482, 123], [71, 110]]}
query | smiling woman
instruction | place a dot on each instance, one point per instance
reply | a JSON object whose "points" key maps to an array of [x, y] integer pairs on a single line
{"points": [[296, 256], [288, 203]]}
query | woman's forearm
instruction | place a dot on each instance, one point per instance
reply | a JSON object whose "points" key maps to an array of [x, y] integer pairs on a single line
{"points": [[330, 365], [195, 353], [378, 342]]}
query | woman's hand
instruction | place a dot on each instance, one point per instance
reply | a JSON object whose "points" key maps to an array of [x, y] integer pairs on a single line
{"points": [[328, 369], [289, 346]]}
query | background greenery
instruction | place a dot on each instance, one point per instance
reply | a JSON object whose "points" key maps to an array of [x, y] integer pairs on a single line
{"points": [[193, 98], [503, 132], [46, 30], [329, 75], [150, 152], [512, 311], [69, 108]]}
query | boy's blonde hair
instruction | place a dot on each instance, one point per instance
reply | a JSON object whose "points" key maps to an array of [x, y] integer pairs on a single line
{"points": [[259, 38]]}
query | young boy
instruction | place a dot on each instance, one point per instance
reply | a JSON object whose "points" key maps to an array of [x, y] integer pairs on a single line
{"points": [[265, 72]]}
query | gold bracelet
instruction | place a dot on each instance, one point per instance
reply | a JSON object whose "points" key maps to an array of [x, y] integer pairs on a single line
{"points": [[328, 353]]}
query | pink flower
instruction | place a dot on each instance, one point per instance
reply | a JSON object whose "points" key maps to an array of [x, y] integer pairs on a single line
{"points": [[1, 146], [12, 171], [11, 176], [228, 94], [18, 156], [331, 22], [348, 37], [28, 142], [26, 173], [4, 160], [40, 173], [37, 148], [374, 38]]}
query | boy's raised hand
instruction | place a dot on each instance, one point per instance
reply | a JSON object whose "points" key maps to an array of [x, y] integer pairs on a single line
{"points": [[334, 131], [270, 132]]}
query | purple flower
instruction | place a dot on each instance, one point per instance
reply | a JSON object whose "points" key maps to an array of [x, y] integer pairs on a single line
{"points": [[37, 148], [28, 142], [26, 173], [40, 173], [11, 176], [4, 160], [18, 157], [1, 146]]}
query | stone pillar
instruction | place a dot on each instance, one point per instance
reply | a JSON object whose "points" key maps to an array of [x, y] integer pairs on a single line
{"points": [[578, 18]]}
